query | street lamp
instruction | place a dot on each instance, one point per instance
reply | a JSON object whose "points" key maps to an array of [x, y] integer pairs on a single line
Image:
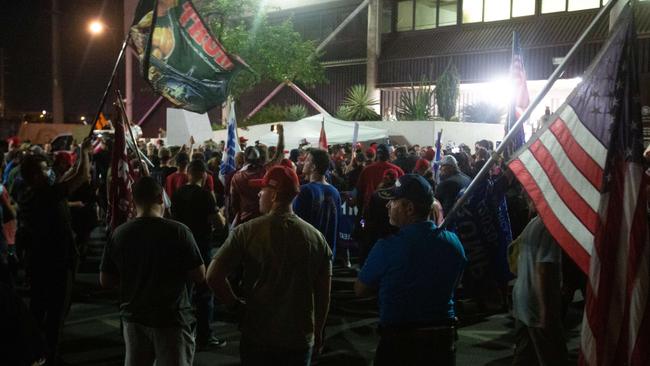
{"points": [[96, 27]]}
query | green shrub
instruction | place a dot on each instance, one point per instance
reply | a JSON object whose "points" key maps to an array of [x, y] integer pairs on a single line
{"points": [[447, 90], [277, 113], [483, 112], [417, 103], [357, 105], [296, 112]]}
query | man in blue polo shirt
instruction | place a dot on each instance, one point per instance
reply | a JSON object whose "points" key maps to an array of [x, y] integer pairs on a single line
{"points": [[416, 273]]}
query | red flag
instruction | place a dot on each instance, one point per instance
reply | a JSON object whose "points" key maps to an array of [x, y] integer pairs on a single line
{"points": [[120, 199], [584, 172], [322, 140]]}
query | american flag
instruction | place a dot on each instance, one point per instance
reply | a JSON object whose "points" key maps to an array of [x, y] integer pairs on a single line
{"points": [[520, 98], [232, 146], [120, 197], [584, 173]]}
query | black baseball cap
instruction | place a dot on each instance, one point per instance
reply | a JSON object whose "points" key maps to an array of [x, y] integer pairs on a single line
{"points": [[412, 187]]}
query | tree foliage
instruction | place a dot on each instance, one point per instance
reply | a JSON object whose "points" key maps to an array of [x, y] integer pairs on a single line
{"points": [[274, 51], [447, 90]]}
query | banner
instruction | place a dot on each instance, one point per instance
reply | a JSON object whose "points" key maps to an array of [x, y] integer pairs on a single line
{"points": [[180, 57], [483, 226], [120, 198]]}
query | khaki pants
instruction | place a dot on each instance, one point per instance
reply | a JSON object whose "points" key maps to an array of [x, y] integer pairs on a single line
{"points": [[539, 346], [167, 346]]}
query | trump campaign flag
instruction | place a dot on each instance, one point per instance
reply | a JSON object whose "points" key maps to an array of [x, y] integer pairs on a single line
{"points": [[584, 172], [180, 57]]}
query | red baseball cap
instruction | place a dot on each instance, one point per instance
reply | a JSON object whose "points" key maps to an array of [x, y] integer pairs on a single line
{"points": [[390, 173], [430, 154], [422, 165], [64, 157], [280, 178]]}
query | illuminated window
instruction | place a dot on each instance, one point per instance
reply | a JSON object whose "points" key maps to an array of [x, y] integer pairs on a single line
{"points": [[425, 14], [472, 11], [522, 8], [552, 6], [583, 4], [404, 16], [448, 12], [497, 10]]}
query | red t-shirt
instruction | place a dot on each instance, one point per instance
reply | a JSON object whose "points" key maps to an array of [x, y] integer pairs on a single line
{"points": [[244, 199], [176, 180], [370, 178]]}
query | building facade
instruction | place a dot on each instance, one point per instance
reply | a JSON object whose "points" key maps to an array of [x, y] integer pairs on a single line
{"points": [[419, 38]]}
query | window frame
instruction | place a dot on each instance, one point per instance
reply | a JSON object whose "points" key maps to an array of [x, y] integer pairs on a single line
{"points": [[459, 14]]}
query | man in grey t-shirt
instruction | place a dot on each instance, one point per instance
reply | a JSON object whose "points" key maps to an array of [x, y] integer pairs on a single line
{"points": [[536, 297], [152, 260]]}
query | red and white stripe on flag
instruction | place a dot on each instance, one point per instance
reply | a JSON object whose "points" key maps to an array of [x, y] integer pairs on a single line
{"points": [[585, 175], [322, 139], [120, 194], [562, 170]]}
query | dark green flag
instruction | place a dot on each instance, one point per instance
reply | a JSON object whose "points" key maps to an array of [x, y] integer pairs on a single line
{"points": [[179, 55]]}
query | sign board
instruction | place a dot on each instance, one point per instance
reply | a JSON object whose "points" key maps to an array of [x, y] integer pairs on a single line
{"points": [[44, 133], [182, 124]]}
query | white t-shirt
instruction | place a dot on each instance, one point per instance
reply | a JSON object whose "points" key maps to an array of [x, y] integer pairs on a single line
{"points": [[537, 246]]}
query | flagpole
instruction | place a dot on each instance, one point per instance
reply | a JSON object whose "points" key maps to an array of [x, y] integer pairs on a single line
{"points": [[127, 125], [513, 131], [110, 82]]}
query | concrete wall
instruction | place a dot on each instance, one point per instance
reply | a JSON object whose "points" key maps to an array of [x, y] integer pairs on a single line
{"points": [[424, 132], [415, 132]]}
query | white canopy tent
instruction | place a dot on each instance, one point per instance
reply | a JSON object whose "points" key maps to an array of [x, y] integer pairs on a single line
{"points": [[337, 131]]}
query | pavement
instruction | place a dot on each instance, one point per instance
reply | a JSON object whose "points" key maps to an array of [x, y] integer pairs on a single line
{"points": [[91, 335]]}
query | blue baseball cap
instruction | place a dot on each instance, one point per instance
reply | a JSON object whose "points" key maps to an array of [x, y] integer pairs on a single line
{"points": [[412, 187]]}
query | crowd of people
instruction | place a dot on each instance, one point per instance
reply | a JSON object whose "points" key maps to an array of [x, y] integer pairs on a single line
{"points": [[262, 240]]}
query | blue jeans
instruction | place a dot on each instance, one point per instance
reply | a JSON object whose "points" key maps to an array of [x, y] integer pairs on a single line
{"points": [[252, 354], [204, 302]]}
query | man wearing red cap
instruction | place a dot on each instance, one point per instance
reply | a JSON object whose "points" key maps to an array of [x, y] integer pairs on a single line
{"points": [[286, 279]]}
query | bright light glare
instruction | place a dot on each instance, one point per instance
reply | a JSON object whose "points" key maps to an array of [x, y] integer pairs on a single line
{"points": [[83, 118], [96, 27], [43, 111]]}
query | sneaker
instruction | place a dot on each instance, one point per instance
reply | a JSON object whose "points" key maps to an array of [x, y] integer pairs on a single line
{"points": [[212, 342]]}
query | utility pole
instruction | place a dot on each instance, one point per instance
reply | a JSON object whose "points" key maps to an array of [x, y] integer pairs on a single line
{"points": [[57, 84], [373, 48], [3, 103]]}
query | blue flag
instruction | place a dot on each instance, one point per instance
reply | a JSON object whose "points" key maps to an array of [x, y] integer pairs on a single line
{"points": [[232, 146]]}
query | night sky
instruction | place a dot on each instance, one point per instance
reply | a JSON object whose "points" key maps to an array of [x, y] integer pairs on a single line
{"points": [[25, 34]]}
